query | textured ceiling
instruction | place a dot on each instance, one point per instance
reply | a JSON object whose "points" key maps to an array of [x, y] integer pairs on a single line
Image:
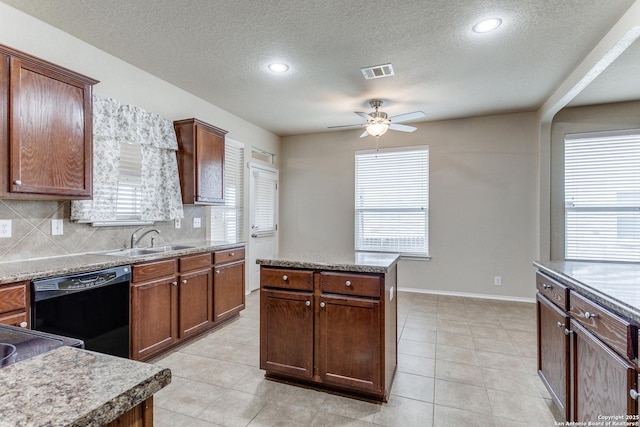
{"points": [[219, 51]]}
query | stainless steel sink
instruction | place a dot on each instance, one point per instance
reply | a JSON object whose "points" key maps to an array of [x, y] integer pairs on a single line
{"points": [[168, 248], [131, 252]]}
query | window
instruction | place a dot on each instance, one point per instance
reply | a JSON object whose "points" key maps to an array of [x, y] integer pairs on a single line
{"points": [[602, 196], [129, 191], [392, 201], [264, 187], [227, 221]]}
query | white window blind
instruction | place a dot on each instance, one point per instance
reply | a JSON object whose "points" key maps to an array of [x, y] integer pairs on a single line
{"points": [[264, 198], [129, 191], [392, 201], [602, 196], [227, 221]]}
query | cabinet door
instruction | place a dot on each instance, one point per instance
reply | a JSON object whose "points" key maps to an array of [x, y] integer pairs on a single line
{"points": [[209, 161], [601, 379], [553, 352], [194, 302], [228, 290], [350, 348], [50, 132], [153, 317], [286, 333]]}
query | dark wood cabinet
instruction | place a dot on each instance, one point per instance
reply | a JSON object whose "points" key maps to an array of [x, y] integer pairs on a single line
{"points": [[46, 129], [154, 308], [15, 304], [334, 330], [194, 294], [553, 352], [229, 284], [602, 380], [200, 161], [286, 333]]}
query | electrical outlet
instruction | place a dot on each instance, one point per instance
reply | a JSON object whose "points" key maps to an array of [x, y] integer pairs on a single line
{"points": [[57, 227], [197, 223], [5, 228], [497, 281], [177, 223]]}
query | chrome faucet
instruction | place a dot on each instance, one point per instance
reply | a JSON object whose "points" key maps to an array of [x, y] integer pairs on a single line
{"points": [[135, 238]]}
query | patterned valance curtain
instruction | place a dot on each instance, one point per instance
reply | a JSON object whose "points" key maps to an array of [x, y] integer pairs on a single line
{"points": [[114, 124]]}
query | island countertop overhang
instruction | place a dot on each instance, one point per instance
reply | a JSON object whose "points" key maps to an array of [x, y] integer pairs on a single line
{"points": [[357, 262]]}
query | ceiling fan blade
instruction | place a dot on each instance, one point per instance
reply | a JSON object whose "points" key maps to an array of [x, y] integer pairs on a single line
{"points": [[408, 116], [363, 115], [346, 126], [402, 128], [365, 133]]}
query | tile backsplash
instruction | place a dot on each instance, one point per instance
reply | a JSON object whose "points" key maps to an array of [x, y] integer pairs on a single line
{"points": [[31, 231]]}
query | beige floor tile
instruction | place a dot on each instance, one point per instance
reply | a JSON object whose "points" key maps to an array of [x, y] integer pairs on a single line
{"points": [[190, 399], [333, 420], [459, 372], [495, 346], [423, 335], [254, 382], [233, 409], [444, 416], [454, 340], [517, 407], [299, 396], [416, 365], [403, 412], [462, 396], [513, 382], [453, 326], [480, 332], [165, 418], [416, 348], [350, 408], [413, 386], [277, 414], [457, 354], [505, 362]]}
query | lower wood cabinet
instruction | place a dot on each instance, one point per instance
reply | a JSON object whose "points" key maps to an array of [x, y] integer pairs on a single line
{"points": [[331, 330], [602, 380], [15, 304], [553, 352], [175, 299]]}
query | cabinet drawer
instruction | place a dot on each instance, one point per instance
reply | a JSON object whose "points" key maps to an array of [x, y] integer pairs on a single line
{"points": [[20, 319], [616, 332], [553, 290], [154, 270], [228, 255], [14, 296], [286, 279], [195, 262], [350, 284]]}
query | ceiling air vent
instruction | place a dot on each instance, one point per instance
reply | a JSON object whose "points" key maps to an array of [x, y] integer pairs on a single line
{"points": [[377, 71]]}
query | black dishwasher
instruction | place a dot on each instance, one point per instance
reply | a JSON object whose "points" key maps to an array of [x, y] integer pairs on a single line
{"points": [[92, 307]]}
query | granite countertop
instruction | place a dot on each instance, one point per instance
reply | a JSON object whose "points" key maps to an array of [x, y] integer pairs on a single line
{"points": [[614, 285], [362, 262], [73, 387], [30, 269]]}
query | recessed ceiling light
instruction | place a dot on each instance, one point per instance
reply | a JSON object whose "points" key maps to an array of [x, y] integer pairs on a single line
{"points": [[278, 67], [487, 25]]}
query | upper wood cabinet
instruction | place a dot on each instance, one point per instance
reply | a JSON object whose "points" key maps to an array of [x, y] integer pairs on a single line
{"points": [[200, 161], [46, 129]]}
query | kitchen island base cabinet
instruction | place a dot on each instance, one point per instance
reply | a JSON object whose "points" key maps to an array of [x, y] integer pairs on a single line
{"points": [[331, 330]]}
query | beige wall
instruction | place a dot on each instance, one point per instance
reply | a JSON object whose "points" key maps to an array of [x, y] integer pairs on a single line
{"points": [[129, 85], [483, 181], [595, 118]]}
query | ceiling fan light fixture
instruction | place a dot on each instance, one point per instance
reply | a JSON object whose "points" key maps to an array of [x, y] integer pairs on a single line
{"points": [[278, 67], [487, 25], [377, 129]]}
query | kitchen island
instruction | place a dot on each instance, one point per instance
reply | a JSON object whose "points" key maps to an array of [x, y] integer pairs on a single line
{"points": [[330, 321], [72, 387]]}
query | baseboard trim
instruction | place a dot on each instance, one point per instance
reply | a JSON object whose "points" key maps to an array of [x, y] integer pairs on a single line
{"points": [[468, 295]]}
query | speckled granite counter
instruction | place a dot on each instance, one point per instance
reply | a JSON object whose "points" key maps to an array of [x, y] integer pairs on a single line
{"points": [[363, 262], [72, 387], [614, 285], [55, 266]]}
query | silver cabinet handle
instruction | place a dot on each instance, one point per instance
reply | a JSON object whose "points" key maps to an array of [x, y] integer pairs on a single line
{"points": [[567, 332], [232, 254], [322, 305], [634, 394], [590, 315], [174, 283], [307, 303], [17, 182], [545, 286], [23, 324], [184, 281], [217, 271], [285, 277], [348, 283], [560, 325]]}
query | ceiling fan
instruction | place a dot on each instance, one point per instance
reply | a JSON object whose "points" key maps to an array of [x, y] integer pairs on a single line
{"points": [[378, 123]]}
